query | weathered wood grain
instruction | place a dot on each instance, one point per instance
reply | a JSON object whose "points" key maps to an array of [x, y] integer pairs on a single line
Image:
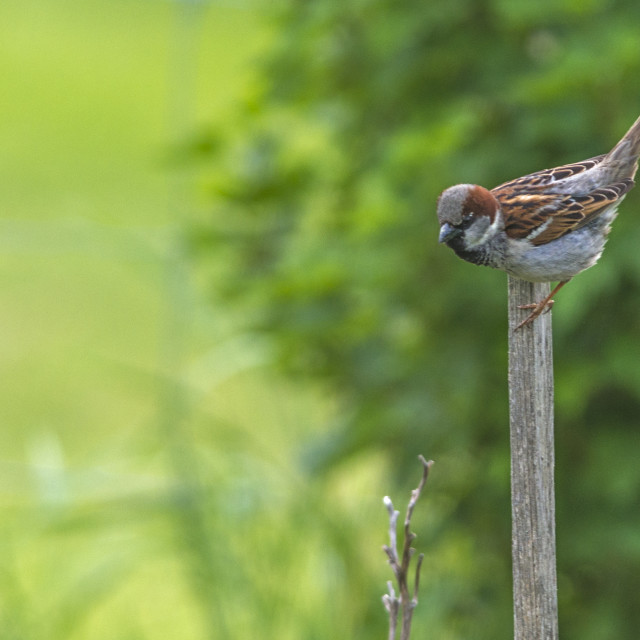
{"points": [[532, 467]]}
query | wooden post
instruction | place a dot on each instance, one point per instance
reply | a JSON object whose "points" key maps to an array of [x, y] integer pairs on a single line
{"points": [[532, 462]]}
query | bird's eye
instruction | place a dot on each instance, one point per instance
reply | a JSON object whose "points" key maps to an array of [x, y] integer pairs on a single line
{"points": [[467, 220]]}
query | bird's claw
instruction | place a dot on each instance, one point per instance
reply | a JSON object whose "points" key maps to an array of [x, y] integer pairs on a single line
{"points": [[538, 309]]}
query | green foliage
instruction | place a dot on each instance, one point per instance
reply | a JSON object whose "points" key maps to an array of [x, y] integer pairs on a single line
{"points": [[154, 483], [324, 219]]}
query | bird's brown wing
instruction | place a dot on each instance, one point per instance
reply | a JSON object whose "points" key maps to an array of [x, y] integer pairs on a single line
{"points": [[543, 217], [547, 177]]}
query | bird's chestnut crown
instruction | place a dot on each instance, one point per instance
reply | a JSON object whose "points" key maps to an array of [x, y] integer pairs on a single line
{"points": [[468, 216], [466, 201]]}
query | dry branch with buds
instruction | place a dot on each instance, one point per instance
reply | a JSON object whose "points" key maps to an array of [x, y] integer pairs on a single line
{"points": [[404, 601]]}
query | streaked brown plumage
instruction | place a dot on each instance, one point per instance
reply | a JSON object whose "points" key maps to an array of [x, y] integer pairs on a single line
{"points": [[545, 226]]}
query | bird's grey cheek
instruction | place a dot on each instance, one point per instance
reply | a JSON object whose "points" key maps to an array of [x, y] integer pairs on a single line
{"points": [[447, 233], [479, 232]]}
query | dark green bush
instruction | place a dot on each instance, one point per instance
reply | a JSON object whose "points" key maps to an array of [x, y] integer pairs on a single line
{"points": [[324, 220]]}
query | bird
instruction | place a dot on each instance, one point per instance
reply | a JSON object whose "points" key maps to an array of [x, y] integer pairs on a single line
{"points": [[547, 226]]}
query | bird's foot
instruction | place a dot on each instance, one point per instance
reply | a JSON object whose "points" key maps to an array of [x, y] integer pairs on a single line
{"points": [[544, 306]]}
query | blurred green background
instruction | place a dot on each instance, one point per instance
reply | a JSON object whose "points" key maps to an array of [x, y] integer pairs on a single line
{"points": [[228, 329]]}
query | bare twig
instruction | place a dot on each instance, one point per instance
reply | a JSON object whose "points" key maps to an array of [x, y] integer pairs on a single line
{"points": [[405, 600], [391, 604]]}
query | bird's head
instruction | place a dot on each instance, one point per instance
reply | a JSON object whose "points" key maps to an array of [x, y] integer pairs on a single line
{"points": [[469, 216]]}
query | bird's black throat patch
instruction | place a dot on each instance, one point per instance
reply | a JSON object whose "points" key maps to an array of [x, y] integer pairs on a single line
{"points": [[479, 256]]}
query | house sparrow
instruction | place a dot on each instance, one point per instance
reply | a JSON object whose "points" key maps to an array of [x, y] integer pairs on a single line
{"points": [[546, 226]]}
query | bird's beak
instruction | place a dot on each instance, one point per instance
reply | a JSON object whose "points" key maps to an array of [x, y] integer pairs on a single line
{"points": [[447, 232]]}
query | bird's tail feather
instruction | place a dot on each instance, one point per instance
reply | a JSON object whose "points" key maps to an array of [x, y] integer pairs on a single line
{"points": [[624, 156]]}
